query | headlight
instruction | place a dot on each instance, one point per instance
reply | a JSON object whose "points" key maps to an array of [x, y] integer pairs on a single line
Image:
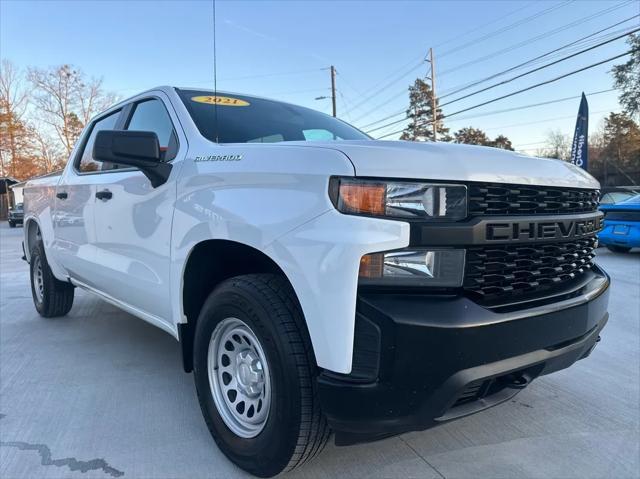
{"points": [[400, 199], [437, 267]]}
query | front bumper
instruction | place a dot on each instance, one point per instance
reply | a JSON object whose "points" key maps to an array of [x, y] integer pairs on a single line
{"points": [[16, 218], [420, 360], [620, 233]]}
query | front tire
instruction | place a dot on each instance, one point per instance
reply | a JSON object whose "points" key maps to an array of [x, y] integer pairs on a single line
{"points": [[51, 296], [12, 224], [618, 249], [253, 369]]}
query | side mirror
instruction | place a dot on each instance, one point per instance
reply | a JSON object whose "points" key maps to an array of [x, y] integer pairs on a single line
{"points": [[139, 149]]}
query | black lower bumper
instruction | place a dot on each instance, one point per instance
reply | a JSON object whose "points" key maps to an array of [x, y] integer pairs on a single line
{"points": [[421, 360]]}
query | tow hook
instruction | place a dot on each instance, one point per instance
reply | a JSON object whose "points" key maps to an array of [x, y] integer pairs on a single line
{"points": [[520, 381], [593, 346]]}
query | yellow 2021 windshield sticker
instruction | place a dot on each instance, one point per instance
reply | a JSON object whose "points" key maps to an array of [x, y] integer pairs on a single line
{"points": [[220, 100]]}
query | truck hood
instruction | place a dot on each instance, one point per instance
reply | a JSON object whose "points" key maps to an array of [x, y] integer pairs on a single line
{"points": [[448, 161]]}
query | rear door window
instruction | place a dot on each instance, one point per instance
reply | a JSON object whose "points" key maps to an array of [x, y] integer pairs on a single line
{"points": [[87, 164]]}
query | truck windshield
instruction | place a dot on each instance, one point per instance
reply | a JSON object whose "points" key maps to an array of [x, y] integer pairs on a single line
{"points": [[244, 119]]}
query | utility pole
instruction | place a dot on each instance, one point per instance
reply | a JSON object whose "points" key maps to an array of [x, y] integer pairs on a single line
{"points": [[333, 89], [434, 124]]}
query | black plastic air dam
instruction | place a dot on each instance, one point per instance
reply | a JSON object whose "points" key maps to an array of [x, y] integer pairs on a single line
{"points": [[434, 348]]}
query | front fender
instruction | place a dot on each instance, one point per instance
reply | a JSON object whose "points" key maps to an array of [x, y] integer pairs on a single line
{"points": [[321, 259], [271, 191]]}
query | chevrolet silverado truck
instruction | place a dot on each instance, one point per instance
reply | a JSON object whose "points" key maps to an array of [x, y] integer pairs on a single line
{"points": [[318, 280]]}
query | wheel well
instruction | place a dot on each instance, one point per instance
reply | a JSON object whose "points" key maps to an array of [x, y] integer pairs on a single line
{"points": [[33, 233], [210, 263]]}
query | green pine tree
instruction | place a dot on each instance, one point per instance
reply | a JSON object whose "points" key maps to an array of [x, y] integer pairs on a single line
{"points": [[420, 112], [627, 79]]}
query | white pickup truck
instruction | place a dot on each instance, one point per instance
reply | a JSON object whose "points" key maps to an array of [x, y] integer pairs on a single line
{"points": [[317, 279]]}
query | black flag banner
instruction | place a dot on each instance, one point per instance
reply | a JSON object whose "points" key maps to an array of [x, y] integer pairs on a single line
{"points": [[580, 145]]}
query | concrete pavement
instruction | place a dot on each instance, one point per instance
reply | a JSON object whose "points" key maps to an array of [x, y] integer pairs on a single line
{"points": [[101, 394]]}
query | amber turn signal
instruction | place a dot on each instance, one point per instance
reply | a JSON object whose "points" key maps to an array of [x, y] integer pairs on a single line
{"points": [[372, 266], [363, 198]]}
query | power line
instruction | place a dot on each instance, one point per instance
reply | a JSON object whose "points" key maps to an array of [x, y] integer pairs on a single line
{"points": [[403, 110], [530, 144], [344, 80], [473, 30], [517, 92], [387, 85], [411, 64], [506, 28], [514, 108], [509, 80], [531, 105], [344, 103], [413, 68], [539, 57], [384, 103], [546, 82], [545, 120], [518, 23], [392, 123], [544, 35], [524, 107]]}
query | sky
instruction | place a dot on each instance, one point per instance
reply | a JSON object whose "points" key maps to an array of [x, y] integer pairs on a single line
{"points": [[282, 50]]}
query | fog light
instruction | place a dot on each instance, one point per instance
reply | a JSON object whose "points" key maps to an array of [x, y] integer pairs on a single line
{"points": [[439, 268]]}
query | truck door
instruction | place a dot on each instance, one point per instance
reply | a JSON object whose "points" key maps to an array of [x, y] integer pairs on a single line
{"points": [[133, 220], [72, 217]]}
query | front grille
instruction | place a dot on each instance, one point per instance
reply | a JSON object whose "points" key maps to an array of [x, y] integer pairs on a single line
{"points": [[496, 199], [512, 272]]}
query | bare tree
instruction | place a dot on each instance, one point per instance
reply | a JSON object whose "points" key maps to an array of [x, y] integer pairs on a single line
{"points": [[67, 100], [557, 145], [12, 91], [92, 99], [49, 155], [14, 135]]}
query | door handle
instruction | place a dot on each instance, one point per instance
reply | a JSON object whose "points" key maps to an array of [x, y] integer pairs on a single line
{"points": [[62, 195], [104, 195]]}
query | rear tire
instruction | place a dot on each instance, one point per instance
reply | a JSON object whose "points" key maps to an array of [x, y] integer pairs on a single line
{"points": [[51, 296], [294, 430], [618, 249]]}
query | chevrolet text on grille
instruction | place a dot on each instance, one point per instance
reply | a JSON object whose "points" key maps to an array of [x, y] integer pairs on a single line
{"points": [[542, 230]]}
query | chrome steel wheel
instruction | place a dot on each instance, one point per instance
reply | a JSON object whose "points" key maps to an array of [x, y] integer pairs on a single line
{"points": [[38, 279], [239, 377]]}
